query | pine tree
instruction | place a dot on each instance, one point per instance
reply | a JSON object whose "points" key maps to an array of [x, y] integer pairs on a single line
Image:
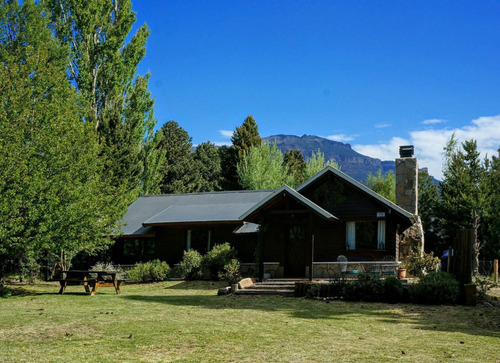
{"points": [[427, 210], [178, 174], [244, 138], [296, 165], [207, 164], [462, 199]]}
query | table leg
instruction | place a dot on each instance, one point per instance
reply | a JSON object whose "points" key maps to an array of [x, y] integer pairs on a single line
{"points": [[94, 288], [63, 287], [117, 285], [86, 284]]}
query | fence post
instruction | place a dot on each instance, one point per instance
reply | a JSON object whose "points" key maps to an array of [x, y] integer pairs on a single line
{"points": [[495, 271]]}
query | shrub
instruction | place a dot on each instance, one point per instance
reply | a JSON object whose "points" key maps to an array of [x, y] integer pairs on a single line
{"points": [[436, 288], [231, 273], [417, 264], [366, 287], [393, 290], [218, 257], [190, 266], [483, 285], [151, 271]]}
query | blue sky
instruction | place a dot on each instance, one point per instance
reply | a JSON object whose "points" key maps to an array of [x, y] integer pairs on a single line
{"points": [[375, 74]]}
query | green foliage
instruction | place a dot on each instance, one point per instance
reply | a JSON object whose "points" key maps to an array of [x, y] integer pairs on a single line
{"points": [[393, 290], [383, 185], [316, 163], [367, 287], [55, 197], [152, 271], [231, 273], [295, 164], [491, 224], [483, 285], [417, 264], [218, 257], [190, 266], [436, 288], [177, 170], [428, 199], [103, 63], [207, 165], [262, 168], [246, 137], [463, 196]]}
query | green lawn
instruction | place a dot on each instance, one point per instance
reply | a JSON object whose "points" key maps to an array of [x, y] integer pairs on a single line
{"points": [[186, 321]]}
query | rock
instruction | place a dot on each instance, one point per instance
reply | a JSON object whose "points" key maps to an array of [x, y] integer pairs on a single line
{"points": [[487, 304], [224, 290], [246, 283]]}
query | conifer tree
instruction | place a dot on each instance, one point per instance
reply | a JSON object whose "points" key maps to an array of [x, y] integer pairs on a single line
{"points": [[296, 165]]}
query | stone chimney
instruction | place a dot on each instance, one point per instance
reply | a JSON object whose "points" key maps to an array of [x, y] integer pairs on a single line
{"points": [[407, 180], [407, 198]]}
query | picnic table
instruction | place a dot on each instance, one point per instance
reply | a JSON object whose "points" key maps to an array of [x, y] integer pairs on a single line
{"points": [[89, 279]]}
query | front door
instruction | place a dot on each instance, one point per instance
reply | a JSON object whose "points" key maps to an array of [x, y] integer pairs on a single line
{"points": [[295, 251]]}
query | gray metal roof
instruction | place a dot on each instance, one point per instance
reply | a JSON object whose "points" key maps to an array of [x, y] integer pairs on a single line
{"points": [[247, 227], [292, 192], [358, 185], [166, 209]]}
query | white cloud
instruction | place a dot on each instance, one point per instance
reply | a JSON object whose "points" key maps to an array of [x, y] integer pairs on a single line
{"points": [[226, 133], [433, 121], [429, 144], [340, 137], [382, 126]]}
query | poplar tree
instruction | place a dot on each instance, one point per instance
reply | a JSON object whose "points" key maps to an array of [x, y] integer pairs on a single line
{"points": [[207, 166], [55, 199], [103, 67], [383, 185]]}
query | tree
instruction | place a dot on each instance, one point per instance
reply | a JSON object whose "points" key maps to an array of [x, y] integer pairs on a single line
{"points": [[491, 222], [244, 138], [428, 199], [207, 164], [262, 168], [296, 165], [316, 163], [462, 199], [177, 170], [103, 69], [383, 185], [54, 196]]}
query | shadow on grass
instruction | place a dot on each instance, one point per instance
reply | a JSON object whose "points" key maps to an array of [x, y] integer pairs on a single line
{"points": [[467, 320], [196, 285]]}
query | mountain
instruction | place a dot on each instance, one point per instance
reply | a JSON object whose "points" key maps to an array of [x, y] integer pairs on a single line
{"points": [[352, 163]]}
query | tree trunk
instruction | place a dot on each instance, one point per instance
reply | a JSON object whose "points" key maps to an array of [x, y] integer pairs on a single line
{"points": [[476, 247]]}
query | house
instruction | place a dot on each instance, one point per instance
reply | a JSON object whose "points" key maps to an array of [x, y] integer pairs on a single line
{"points": [[285, 232]]}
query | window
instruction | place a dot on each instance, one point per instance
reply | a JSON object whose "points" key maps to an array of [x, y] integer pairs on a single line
{"points": [[366, 235], [198, 240], [141, 248]]}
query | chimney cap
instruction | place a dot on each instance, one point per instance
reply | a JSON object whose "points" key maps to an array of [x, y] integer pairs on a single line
{"points": [[406, 151]]}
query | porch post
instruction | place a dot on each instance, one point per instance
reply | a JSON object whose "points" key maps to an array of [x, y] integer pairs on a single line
{"points": [[311, 272]]}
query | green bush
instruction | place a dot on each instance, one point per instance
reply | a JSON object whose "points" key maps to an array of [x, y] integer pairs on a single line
{"points": [[393, 290], [417, 264], [218, 257], [435, 288], [231, 273], [152, 271], [367, 287], [108, 266], [190, 266]]}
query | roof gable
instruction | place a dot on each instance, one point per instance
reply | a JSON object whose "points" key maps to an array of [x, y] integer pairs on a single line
{"points": [[250, 214], [355, 184]]}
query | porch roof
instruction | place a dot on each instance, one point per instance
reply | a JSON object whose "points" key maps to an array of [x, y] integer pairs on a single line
{"points": [[251, 214]]}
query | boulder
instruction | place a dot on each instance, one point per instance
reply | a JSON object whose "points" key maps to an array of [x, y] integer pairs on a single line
{"points": [[249, 281]]}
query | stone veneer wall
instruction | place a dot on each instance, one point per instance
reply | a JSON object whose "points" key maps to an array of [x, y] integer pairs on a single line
{"points": [[407, 184], [407, 198]]}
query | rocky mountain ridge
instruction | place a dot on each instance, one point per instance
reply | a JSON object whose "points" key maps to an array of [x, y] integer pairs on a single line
{"points": [[352, 163]]}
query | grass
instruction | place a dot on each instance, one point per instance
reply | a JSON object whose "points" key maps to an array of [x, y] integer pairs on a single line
{"points": [[186, 321]]}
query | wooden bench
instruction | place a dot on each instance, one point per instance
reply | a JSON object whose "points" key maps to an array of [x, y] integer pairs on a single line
{"points": [[85, 278]]}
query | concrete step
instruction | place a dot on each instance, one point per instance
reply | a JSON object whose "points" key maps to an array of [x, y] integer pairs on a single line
{"points": [[279, 292]]}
